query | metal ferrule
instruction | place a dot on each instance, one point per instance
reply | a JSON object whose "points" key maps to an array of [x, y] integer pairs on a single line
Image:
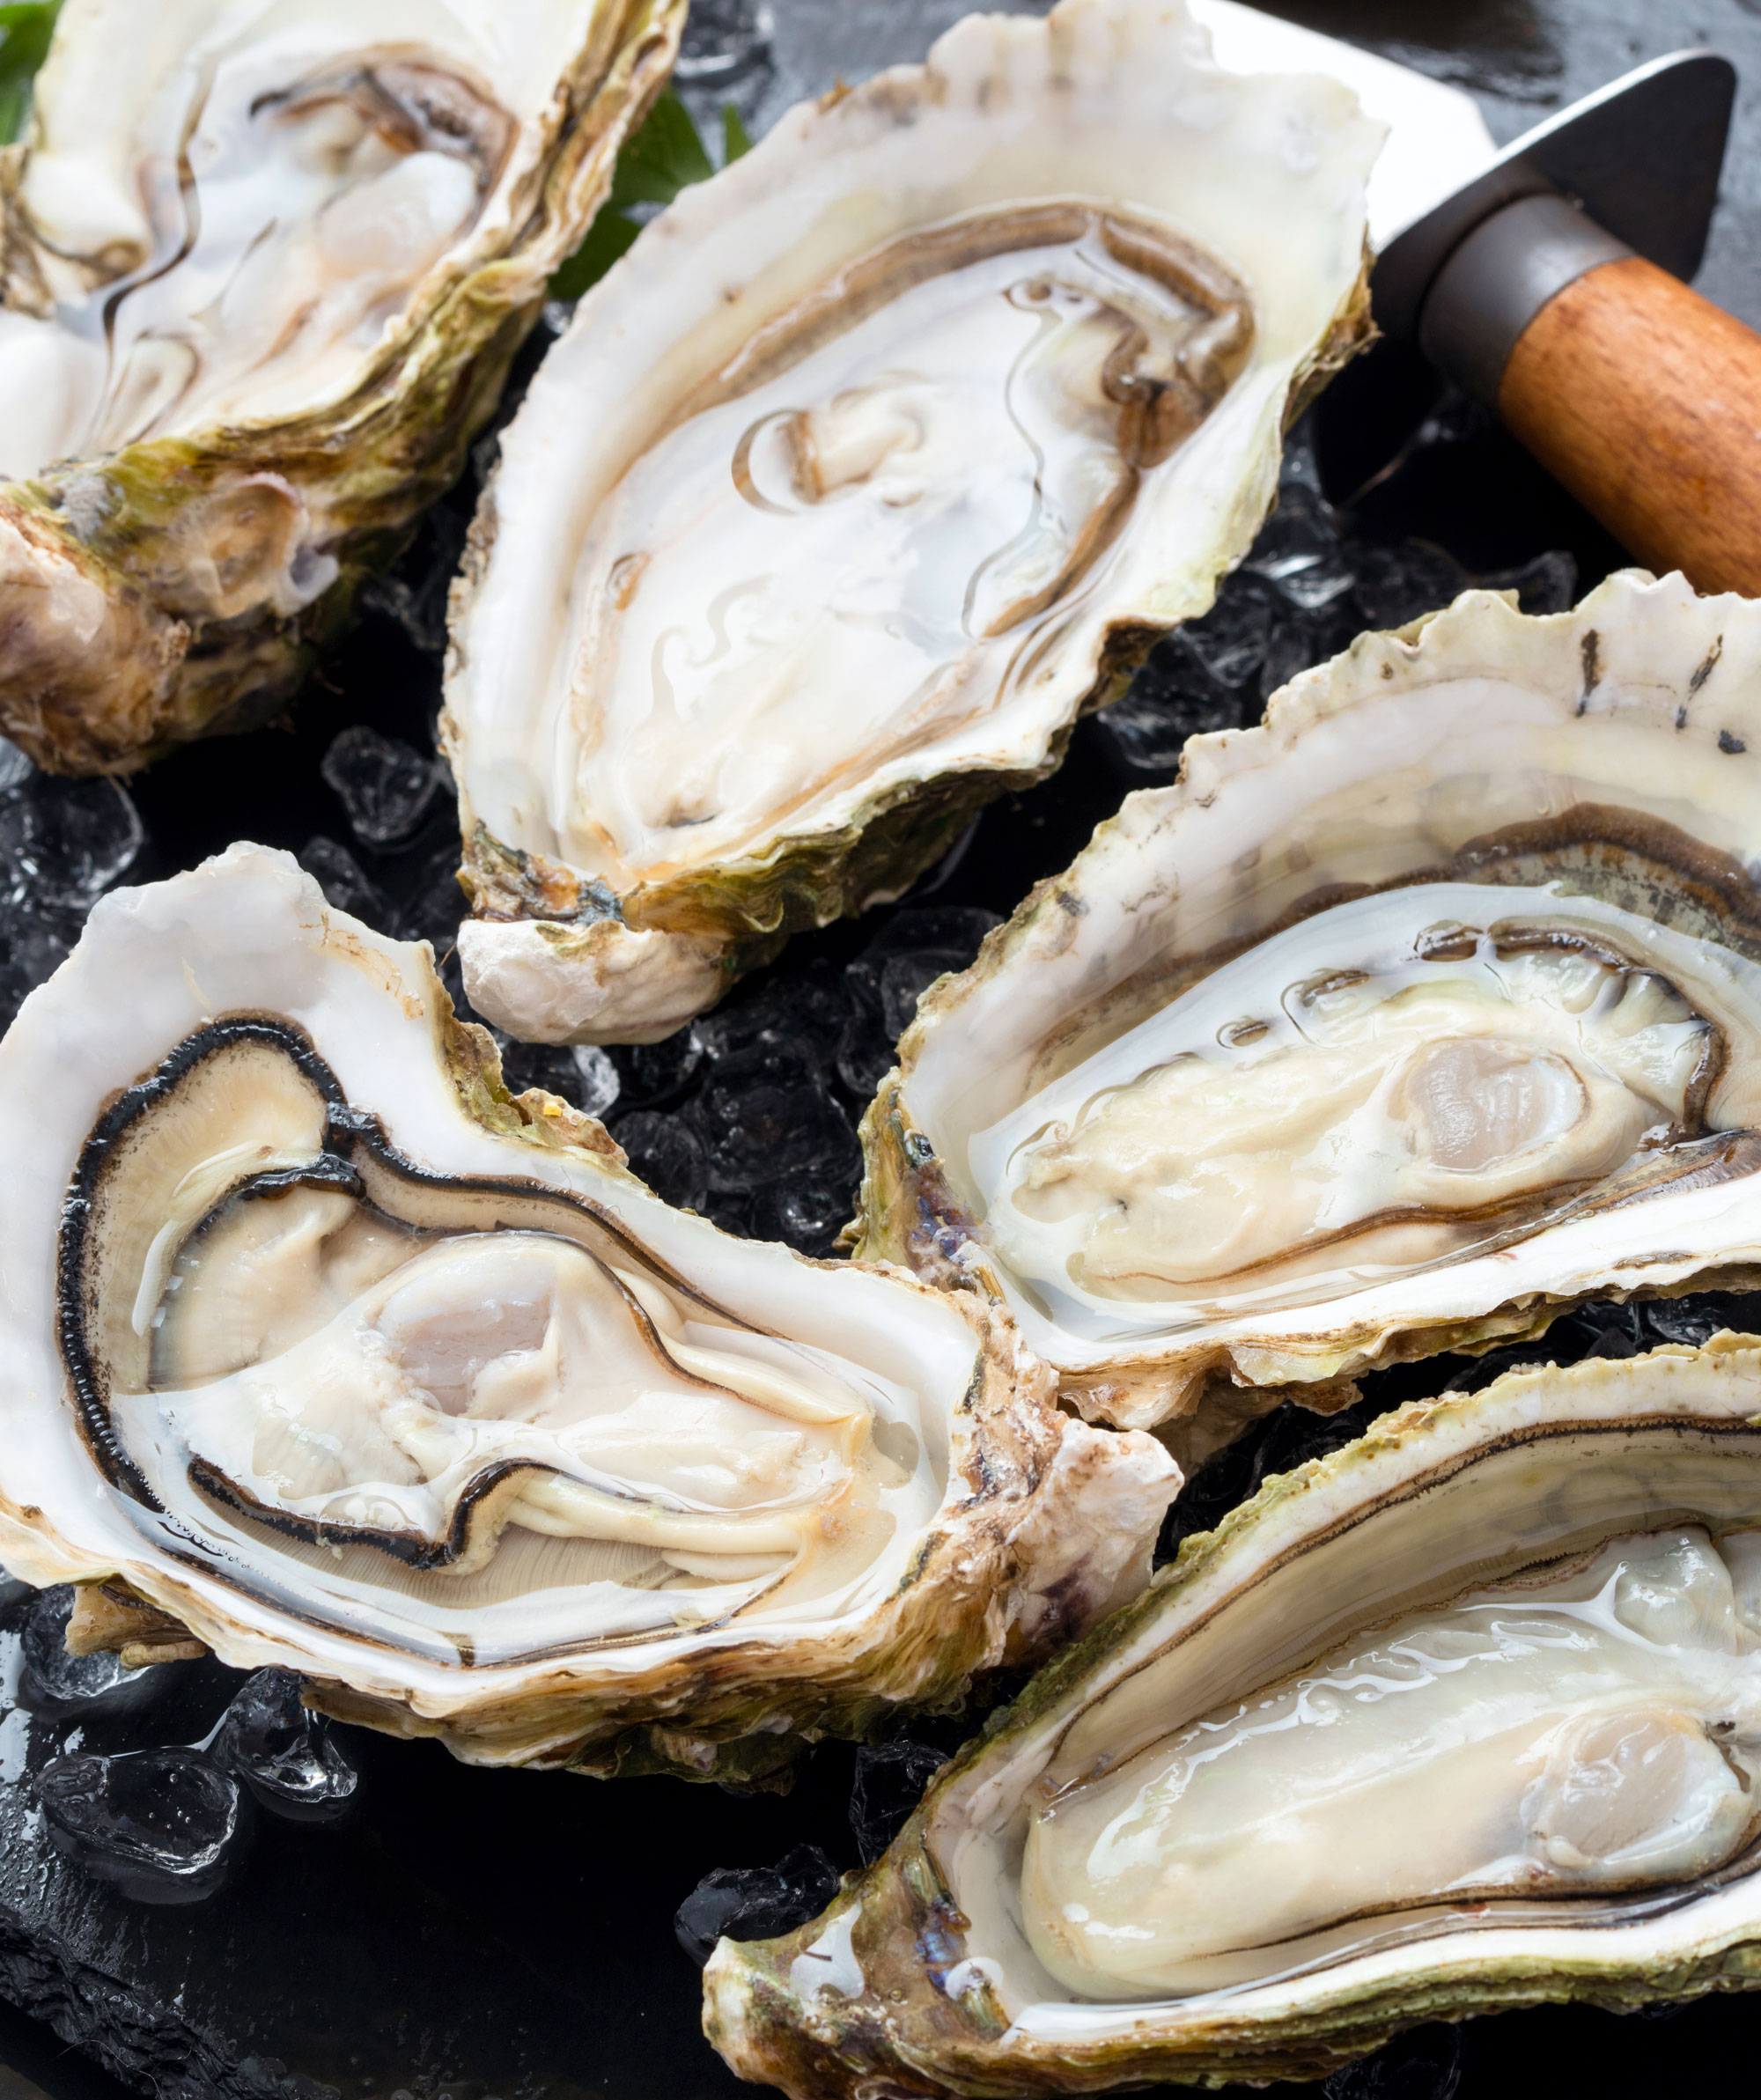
{"points": [[1497, 280]]}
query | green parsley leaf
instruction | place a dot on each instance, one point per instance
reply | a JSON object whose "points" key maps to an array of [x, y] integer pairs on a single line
{"points": [[664, 156], [735, 138], [25, 27], [608, 236]]}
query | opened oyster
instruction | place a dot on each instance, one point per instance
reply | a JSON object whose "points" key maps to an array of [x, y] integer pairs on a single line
{"points": [[1398, 1024], [1466, 1715], [264, 271], [350, 1365], [881, 457]]}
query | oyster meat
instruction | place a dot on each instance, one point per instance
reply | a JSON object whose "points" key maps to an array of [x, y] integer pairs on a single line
{"points": [[328, 1353], [1428, 1008], [264, 270], [1466, 1715], [882, 455]]}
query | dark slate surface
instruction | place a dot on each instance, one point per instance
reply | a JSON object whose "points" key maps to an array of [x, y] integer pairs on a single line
{"points": [[497, 1936]]}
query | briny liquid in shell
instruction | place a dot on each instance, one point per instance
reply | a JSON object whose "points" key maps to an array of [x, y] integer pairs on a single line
{"points": [[1588, 1732], [473, 1414], [877, 531], [267, 262], [1398, 1081]]}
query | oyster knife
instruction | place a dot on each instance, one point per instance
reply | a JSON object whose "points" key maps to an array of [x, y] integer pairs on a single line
{"points": [[1548, 279]]}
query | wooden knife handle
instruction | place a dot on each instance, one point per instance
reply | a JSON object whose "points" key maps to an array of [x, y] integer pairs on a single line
{"points": [[1645, 399]]}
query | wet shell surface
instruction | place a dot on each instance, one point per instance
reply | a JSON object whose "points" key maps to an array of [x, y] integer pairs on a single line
{"points": [[1465, 1716], [265, 269], [881, 457], [327, 1352], [1398, 1023]]}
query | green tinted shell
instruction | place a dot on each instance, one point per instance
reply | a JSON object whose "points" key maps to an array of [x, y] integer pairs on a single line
{"points": [[177, 576]]}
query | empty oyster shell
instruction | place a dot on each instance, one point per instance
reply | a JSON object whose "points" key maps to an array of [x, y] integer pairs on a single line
{"points": [[1396, 1025], [880, 456], [352, 1366], [263, 274], [1466, 1715]]}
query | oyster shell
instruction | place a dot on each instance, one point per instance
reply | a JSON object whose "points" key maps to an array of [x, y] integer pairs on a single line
{"points": [[263, 274], [882, 455], [1396, 1025], [350, 1365], [1466, 1715]]}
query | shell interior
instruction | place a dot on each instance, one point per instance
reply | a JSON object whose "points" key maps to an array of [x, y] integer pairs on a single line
{"points": [[1466, 1715], [1391, 1085], [1560, 1639], [455, 1405], [1595, 1727], [228, 217], [351, 1364], [902, 491], [926, 416], [1430, 1005]]}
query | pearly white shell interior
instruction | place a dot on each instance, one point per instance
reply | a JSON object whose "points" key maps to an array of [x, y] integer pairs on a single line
{"points": [[676, 608], [882, 1364], [1399, 769], [232, 210]]}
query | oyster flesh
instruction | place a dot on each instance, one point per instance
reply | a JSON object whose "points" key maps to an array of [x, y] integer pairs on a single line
{"points": [[264, 269], [323, 1349], [1398, 1024], [880, 456], [1466, 1715]]}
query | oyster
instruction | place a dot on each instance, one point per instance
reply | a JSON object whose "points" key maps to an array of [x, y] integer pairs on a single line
{"points": [[1398, 1024], [264, 274], [348, 1364], [1466, 1715], [882, 455]]}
